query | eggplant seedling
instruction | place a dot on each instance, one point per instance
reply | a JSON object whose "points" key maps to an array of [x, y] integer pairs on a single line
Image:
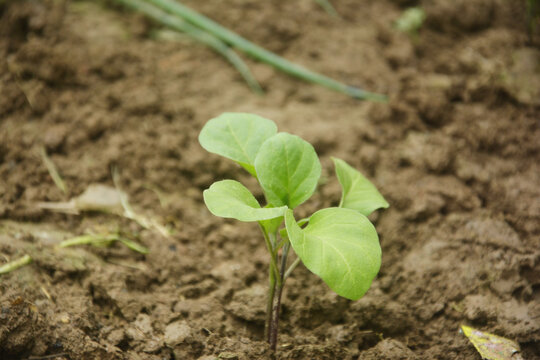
{"points": [[339, 244]]}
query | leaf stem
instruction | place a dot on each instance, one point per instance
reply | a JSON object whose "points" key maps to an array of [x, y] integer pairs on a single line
{"points": [[271, 250], [103, 240], [283, 267], [291, 268], [282, 243]]}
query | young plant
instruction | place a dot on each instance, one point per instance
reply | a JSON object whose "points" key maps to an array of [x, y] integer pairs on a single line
{"points": [[338, 244], [411, 21]]}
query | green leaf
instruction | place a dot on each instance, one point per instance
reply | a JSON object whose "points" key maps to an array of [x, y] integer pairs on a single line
{"points": [[237, 136], [230, 199], [288, 170], [339, 245], [358, 192], [271, 225], [133, 245]]}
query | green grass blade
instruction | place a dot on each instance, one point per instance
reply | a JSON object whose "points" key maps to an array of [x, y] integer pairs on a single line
{"points": [[262, 54], [103, 240], [95, 240], [15, 264], [133, 245], [328, 7], [211, 41]]}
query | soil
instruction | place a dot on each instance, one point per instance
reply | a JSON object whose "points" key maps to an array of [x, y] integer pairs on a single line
{"points": [[456, 152]]}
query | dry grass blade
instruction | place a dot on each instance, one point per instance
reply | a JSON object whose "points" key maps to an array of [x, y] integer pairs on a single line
{"points": [[129, 213], [53, 171], [328, 7], [105, 199]]}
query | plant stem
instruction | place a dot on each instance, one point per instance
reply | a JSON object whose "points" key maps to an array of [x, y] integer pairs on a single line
{"points": [[274, 325], [201, 36], [284, 255], [275, 318], [270, 304], [273, 275], [271, 250], [291, 268], [53, 171], [276, 280], [262, 54]]}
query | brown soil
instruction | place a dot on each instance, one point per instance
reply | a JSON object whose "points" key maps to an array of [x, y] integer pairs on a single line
{"points": [[455, 152]]}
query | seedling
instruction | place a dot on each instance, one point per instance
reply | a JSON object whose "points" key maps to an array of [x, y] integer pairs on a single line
{"points": [[338, 244]]}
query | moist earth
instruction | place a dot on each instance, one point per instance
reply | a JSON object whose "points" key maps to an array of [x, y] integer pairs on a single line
{"points": [[455, 152]]}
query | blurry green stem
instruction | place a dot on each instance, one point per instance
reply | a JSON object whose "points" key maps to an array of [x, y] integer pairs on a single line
{"points": [[291, 268], [15, 264], [270, 245], [276, 308], [201, 36], [260, 53]]}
